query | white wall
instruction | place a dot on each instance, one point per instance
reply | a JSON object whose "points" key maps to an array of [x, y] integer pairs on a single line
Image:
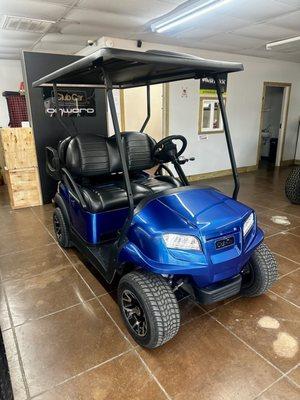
{"points": [[243, 107], [10, 78]]}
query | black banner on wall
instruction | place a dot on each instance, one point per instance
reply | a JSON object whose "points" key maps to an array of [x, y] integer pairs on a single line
{"points": [[71, 102], [207, 85], [48, 131]]}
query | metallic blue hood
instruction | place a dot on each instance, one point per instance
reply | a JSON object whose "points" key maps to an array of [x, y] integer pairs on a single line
{"points": [[208, 209]]}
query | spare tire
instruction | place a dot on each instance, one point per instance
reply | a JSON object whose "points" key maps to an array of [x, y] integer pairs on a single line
{"points": [[292, 186]]}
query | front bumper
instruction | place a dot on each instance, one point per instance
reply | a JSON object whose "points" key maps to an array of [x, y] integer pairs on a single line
{"points": [[202, 271], [218, 291]]}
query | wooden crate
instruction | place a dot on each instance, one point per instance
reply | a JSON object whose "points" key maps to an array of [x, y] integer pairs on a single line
{"points": [[23, 187], [18, 148], [2, 163]]}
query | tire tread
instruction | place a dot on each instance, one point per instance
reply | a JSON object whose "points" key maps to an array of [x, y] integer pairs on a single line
{"points": [[263, 259], [292, 186], [65, 241], [161, 301]]}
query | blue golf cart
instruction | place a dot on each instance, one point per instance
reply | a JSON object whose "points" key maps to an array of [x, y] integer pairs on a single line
{"points": [[155, 234]]}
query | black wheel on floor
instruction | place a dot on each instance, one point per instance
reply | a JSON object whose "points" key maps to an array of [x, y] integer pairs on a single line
{"points": [[292, 186], [61, 229], [149, 308], [260, 273]]}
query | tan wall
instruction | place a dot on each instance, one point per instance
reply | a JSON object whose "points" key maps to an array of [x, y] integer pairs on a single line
{"points": [[135, 110]]}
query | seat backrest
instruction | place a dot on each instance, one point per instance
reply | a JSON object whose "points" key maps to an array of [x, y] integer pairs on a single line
{"points": [[62, 149], [139, 150], [95, 155]]}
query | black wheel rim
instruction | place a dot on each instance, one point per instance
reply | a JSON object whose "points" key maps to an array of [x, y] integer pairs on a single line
{"points": [[57, 227], [134, 313], [247, 275]]}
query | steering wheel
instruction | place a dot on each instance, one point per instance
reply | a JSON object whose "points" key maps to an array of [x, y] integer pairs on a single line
{"points": [[166, 150]]}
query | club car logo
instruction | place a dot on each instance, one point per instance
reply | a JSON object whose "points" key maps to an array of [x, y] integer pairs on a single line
{"points": [[70, 102], [70, 111], [224, 242]]}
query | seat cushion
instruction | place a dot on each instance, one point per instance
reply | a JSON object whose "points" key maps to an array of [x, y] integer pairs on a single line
{"points": [[111, 196], [159, 183]]}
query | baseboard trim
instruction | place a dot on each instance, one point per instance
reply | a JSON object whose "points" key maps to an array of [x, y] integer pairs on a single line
{"points": [[288, 163], [218, 174]]}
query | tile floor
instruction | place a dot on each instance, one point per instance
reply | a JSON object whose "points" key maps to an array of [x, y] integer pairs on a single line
{"points": [[65, 339]]}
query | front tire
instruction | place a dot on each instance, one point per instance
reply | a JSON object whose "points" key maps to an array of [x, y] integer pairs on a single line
{"points": [[260, 273], [149, 308], [292, 186], [61, 229]]}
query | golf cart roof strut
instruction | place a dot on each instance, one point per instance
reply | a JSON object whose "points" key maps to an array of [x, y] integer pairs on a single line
{"points": [[148, 109], [114, 116], [59, 116], [228, 139]]}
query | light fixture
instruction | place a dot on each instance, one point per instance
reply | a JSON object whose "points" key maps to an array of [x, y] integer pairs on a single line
{"points": [[185, 14], [269, 46], [24, 24]]}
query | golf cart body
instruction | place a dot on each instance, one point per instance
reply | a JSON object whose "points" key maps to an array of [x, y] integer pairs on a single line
{"points": [[121, 217], [205, 213]]}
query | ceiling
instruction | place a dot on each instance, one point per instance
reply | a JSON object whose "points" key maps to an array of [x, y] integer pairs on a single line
{"points": [[240, 26]]}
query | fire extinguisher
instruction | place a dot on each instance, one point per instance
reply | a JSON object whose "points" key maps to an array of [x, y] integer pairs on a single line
{"points": [[22, 88]]}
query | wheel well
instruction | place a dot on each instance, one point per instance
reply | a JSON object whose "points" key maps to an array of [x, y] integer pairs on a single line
{"points": [[59, 202]]}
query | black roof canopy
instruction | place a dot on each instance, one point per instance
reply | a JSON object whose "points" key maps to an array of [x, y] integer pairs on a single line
{"points": [[134, 68]]}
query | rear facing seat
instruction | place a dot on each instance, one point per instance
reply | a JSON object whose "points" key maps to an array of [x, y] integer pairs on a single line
{"points": [[95, 164]]}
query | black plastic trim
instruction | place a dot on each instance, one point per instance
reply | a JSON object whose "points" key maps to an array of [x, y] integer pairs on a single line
{"points": [[218, 291], [104, 261]]}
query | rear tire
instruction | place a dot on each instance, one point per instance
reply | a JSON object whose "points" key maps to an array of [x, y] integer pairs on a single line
{"points": [[292, 186], [149, 308], [61, 229], [260, 273]]}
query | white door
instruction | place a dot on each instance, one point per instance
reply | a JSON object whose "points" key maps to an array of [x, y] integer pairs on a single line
{"points": [[283, 120]]}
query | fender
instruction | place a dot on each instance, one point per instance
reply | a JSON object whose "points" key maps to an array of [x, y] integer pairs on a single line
{"points": [[58, 201]]}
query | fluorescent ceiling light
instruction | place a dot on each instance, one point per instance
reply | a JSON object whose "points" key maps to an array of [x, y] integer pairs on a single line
{"points": [[269, 46], [186, 14]]}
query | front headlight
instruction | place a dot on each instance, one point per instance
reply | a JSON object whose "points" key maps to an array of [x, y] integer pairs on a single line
{"points": [[181, 242], [248, 224]]}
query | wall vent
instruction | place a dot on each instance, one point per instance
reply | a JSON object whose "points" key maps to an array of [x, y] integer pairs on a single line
{"points": [[14, 23]]}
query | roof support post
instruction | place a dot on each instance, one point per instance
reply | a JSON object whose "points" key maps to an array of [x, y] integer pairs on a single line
{"points": [[59, 117], [228, 139], [148, 109], [114, 116]]}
